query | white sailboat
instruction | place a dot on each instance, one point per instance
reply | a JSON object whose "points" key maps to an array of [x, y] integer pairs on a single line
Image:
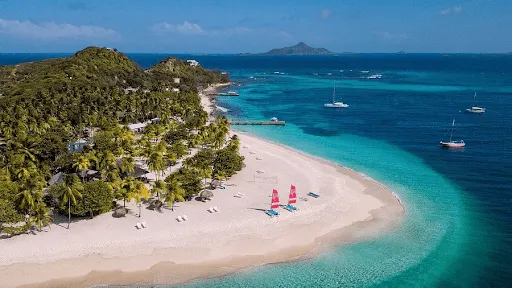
{"points": [[474, 108], [335, 104]]}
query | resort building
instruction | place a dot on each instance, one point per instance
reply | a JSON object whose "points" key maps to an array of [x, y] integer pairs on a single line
{"points": [[176, 90], [77, 146], [137, 127], [177, 80], [193, 63]]}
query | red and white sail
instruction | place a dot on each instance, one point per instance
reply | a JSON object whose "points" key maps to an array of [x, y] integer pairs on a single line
{"points": [[275, 200], [292, 199]]}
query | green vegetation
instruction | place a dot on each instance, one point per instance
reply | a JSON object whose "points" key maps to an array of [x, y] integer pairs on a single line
{"points": [[51, 107]]}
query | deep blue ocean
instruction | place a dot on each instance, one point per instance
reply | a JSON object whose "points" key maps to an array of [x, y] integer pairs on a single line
{"points": [[458, 226]]}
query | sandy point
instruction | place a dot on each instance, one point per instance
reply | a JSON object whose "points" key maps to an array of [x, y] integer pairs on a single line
{"points": [[351, 207]]}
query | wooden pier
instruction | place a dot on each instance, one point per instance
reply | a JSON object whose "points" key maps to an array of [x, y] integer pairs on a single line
{"points": [[277, 123]]}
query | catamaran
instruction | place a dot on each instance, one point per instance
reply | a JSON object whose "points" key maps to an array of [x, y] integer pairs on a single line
{"points": [[335, 104], [292, 199], [274, 204], [474, 108], [453, 144]]}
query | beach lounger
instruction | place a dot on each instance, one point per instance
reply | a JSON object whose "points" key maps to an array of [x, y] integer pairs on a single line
{"points": [[179, 219], [303, 198], [184, 217], [144, 225], [211, 210], [222, 187], [290, 208], [259, 158], [216, 209], [139, 226], [252, 152], [314, 195]]}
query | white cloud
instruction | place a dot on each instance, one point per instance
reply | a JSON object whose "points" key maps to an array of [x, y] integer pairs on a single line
{"points": [[190, 28], [326, 13], [393, 36], [51, 30], [451, 10], [185, 28]]}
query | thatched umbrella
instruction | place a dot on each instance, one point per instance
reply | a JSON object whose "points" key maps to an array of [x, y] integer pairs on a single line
{"points": [[206, 194], [215, 184]]}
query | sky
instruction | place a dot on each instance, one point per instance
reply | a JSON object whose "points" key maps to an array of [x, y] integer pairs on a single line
{"points": [[236, 26]]}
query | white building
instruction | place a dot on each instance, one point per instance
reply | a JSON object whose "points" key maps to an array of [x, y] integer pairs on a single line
{"points": [[177, 80], [177, 90], [193, 63], [137, 127]]}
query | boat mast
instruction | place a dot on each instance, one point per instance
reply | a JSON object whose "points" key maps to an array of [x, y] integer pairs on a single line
{"points": [[334, 93], [474, 100], [451, 134]]}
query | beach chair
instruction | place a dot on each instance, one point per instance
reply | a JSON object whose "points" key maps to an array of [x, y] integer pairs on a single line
{"points": [[216, 209], [259, 158], [290, 208], [239, 195], [252, 152], [179, 219], [139, 226], [144, 225], [184, 217], [303, 198], [222, 187], [314, 195], [211, 210]]}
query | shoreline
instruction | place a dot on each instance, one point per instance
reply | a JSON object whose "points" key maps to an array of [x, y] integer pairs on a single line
{"points": [[367, 210]]}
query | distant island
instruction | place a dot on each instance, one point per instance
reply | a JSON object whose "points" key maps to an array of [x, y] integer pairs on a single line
{"points": [[299, 49]]}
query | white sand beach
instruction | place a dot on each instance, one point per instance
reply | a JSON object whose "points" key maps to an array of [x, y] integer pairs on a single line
{"points": [[106, 250]]}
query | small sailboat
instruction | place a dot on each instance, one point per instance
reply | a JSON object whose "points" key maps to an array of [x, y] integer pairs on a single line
{"points": [[274, 204], [335, 104], [292, 199], [474, 108], [451, 143]]}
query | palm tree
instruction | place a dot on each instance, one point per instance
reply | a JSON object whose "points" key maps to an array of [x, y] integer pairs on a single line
{"points": [[140, 191], [25, 200], [171, 158], [127, 165], [71, 190], [220, 175], [206, 172], [126, 191], [174, 192], [41, 215], [159, 188], [81, 162], [156, 163]]}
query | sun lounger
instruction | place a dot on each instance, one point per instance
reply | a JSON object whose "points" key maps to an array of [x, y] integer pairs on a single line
{"points": [[184, 217], [216, 209], [303, 198], [222, 187], [272, 213], [314, 195], [259, 158], [290, 208], [252, 152], [139, 226], [144, 225], [179, 219], [211, 210]]}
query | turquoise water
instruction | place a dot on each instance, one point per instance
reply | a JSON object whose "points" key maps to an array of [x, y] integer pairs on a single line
{"points": [[457, 231]]}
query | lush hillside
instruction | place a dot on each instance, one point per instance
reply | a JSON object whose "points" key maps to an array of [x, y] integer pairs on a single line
{"points": [[47, 105], [299, 49], [101, 68]]}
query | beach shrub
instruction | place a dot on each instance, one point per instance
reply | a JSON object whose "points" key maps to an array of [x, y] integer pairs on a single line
{"points": [[189, 179], [8, 214], [97, 197], [228, 161]]}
